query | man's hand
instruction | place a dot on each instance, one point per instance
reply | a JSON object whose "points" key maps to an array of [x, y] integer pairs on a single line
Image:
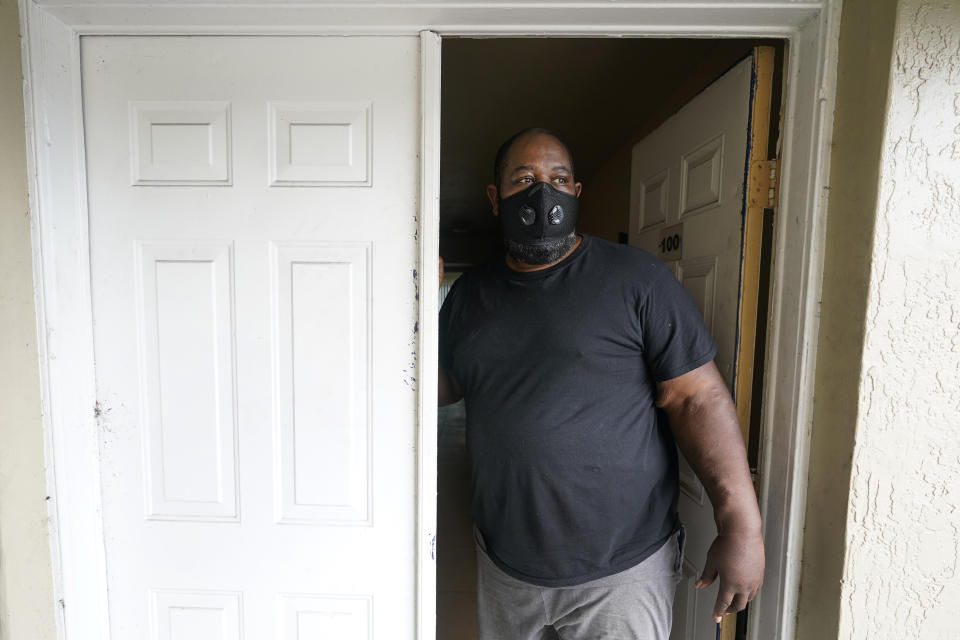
{"points": [[737, 557], [704, 421]]}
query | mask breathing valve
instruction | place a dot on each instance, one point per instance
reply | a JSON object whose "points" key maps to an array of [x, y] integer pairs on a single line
{"points": [[556, 215], [527, 215]]}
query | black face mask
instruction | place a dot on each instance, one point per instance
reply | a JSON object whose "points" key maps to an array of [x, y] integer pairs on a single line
{"points": [[538, 215]]}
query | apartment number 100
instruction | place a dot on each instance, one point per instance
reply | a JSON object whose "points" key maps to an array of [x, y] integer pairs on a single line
{"points": [[670, 243]]}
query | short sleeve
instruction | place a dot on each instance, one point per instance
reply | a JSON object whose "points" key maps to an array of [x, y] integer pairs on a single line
{"points": [[675, 339]]}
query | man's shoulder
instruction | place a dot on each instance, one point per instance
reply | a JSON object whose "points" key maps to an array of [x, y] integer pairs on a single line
{"points": [[474, 274], [634, 260], [466, 284]]}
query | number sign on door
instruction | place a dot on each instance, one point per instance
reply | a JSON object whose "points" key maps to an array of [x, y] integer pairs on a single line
{"points": [[671, 243]]}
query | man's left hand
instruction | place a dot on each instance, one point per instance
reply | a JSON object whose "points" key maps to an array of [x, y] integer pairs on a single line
{"points": [[737, 558]]}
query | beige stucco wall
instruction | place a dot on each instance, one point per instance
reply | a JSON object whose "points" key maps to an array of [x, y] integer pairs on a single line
{"points": [[26, 591], [901, 575]]}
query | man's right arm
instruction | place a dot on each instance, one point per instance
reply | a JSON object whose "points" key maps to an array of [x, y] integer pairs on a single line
{"points": [[448, 390]]}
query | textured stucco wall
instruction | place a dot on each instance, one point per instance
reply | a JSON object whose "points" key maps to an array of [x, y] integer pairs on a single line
{"points": [[863, 72], [26, 587], [901, 575]]}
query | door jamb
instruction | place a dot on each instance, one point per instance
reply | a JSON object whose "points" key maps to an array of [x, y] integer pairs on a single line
{"points": [[429, 234], [57, 179]]}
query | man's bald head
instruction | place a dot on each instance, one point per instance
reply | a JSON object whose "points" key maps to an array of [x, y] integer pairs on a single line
{"points": [[500, 161]]}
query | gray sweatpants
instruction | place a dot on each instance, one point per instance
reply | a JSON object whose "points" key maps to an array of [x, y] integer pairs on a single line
{"points": [[635, 604]]}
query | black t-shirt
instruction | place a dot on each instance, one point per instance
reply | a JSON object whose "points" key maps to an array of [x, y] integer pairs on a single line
{"points": [[573, 469]]}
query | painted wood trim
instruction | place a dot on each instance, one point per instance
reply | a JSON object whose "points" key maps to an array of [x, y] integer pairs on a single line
{"points": [[793, 323], [427, 356], [33, 159], [57, 188], [584, 17]]}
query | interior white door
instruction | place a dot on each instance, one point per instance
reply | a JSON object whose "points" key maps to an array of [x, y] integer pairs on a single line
{"points": [[253, 218], [686, 207]]}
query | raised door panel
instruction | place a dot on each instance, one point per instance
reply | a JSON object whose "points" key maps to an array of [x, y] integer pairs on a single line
{"points": [[188, 399], [315, 617], [321, 337], [196, 615]]}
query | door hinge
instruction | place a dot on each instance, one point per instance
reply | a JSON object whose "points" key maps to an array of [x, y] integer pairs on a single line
{"points": [[763, 188]]}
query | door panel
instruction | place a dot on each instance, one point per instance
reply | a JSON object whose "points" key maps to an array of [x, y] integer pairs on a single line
{"points": [[690, 172], [252, 206], [187, 335]]}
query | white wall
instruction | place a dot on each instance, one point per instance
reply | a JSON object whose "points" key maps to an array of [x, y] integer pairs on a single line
{"points": [[26, 586], [901, 576]]}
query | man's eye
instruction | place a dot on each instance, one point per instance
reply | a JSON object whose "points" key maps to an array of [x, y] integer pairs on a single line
{"points": [[561, 179], [525, 179]]}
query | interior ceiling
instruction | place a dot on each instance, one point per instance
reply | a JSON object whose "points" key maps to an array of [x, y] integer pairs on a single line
{"points": [[597, 94]]}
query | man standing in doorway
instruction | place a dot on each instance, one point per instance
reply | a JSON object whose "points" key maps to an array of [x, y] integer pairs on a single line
{"points": [[582, 364]]}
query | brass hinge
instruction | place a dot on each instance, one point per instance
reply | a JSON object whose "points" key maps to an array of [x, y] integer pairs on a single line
{"points": [[762, 190]]}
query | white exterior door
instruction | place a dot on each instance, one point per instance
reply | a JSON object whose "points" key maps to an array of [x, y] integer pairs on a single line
{"points": [[686, 207], [252, 206]]}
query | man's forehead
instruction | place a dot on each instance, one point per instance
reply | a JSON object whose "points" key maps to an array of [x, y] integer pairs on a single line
{"points": [[525, 148]]}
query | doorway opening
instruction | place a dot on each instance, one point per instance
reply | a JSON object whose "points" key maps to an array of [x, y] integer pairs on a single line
{"points": [[601, 96]]}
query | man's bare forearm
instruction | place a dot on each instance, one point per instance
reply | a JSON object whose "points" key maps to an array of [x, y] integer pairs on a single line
{"points": [[704, 422]]}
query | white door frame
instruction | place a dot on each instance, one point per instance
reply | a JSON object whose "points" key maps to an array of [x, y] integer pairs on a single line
{"points": [[57, 179]]}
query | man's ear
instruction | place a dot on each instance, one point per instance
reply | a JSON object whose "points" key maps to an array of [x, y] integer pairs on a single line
{"points": [[577, 186], [492, 194]]}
